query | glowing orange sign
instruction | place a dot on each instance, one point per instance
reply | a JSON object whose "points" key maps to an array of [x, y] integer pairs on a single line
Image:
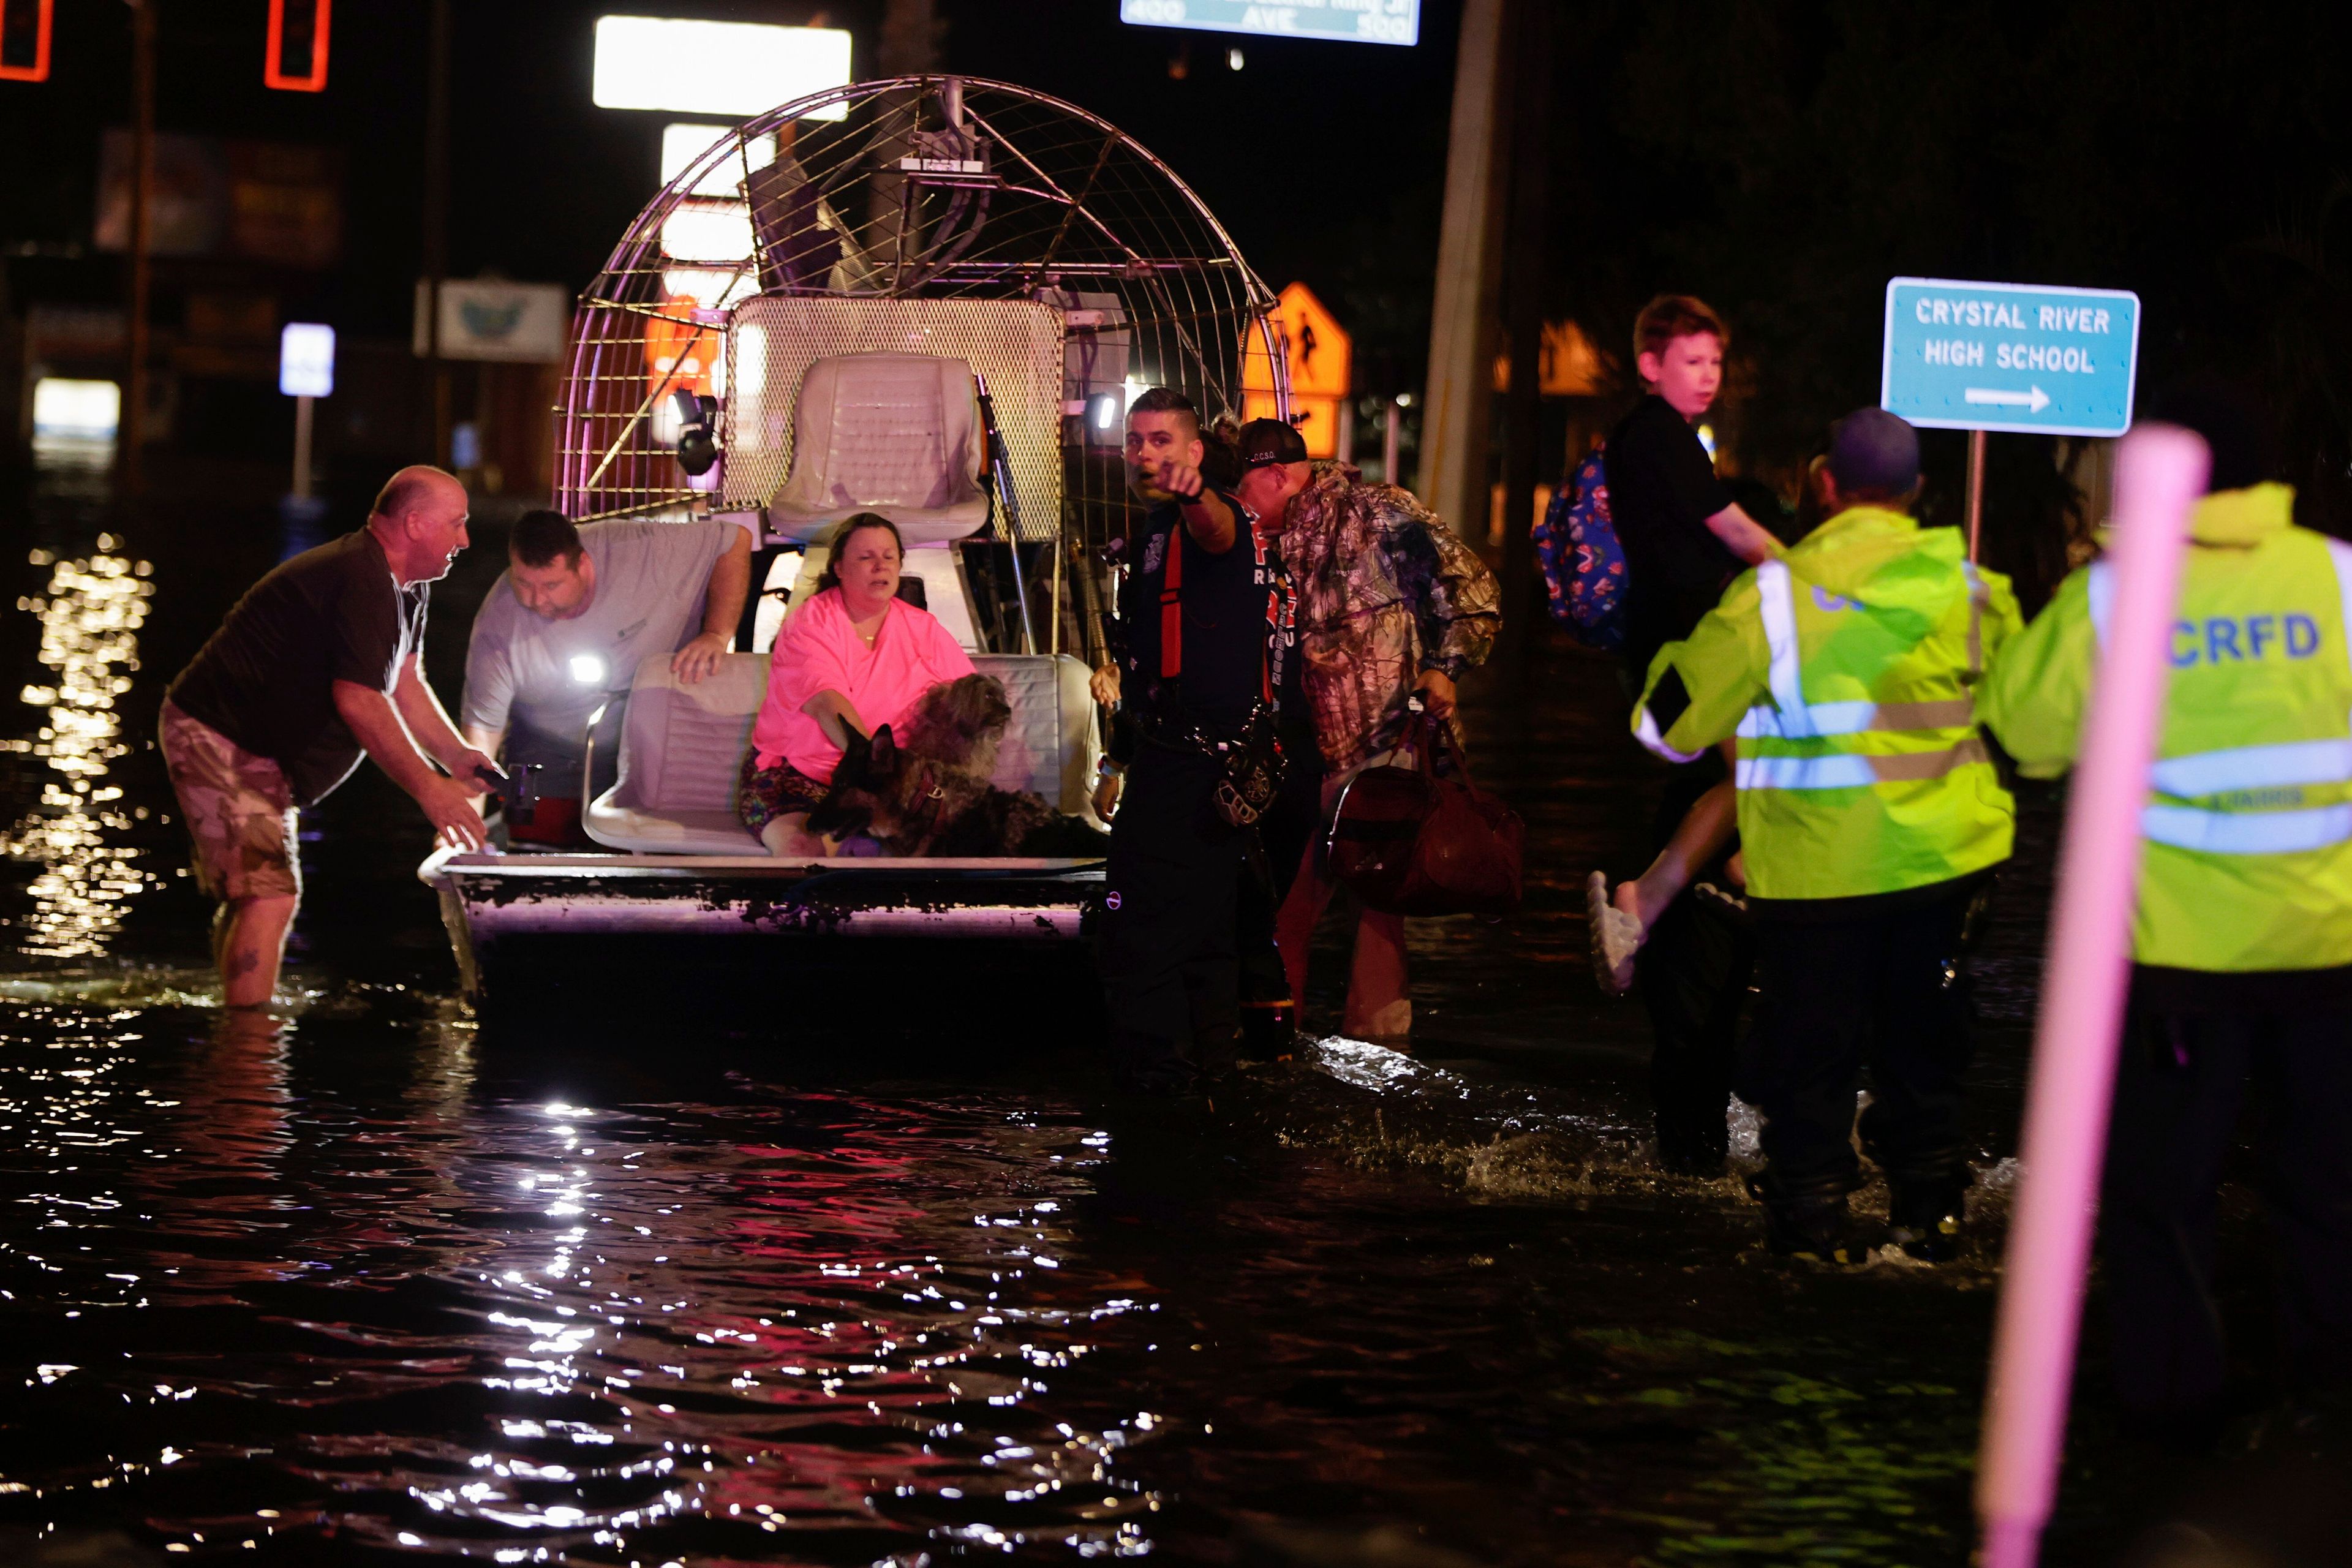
{"points": [[297, 27], [1317, 348], [37, 68], [678, 353], [1319, 356], [1568, 366]]}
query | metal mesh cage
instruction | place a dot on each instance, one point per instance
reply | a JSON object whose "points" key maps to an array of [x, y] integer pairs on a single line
{"points": [[932, 203]]}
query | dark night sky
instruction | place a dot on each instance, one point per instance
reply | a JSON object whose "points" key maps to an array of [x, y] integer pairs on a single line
{"points": [[544, 182], [1781, 157]]}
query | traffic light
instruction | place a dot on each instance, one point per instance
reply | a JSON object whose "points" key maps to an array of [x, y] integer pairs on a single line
{"points": [[297, 38], [25, 40]]}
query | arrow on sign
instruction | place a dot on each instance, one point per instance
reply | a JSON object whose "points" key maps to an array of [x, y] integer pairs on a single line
{"points": [[2037, 400]]}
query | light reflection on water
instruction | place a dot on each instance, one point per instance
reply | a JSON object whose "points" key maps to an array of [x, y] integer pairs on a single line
{"points": [[90, 615], [455, 1323], [370, 1281]]}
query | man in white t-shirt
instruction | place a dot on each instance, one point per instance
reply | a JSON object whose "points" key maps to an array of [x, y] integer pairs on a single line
{"points": [[565, 628]]}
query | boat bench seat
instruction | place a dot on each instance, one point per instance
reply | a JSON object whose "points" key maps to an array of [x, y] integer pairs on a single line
{"points": [[681, 750]]}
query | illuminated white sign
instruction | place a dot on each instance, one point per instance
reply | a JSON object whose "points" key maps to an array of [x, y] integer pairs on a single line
{"points": [[1335, 21], [684, 144], [88, 410], [306, 360], [707, 232], [732, 68]]}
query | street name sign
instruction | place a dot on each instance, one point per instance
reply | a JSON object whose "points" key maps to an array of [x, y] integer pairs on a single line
{"points": [[2009, 356], [1350, 21]]}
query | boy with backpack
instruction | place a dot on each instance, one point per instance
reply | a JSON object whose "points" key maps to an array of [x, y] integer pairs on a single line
{"points": [[1683, 538]]}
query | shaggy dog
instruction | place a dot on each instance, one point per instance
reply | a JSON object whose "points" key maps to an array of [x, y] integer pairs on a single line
{"points": [[928, 794]]}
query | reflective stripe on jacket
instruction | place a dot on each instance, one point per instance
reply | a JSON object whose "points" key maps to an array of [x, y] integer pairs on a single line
{"points": [[2250, 825], [1845, 671]]}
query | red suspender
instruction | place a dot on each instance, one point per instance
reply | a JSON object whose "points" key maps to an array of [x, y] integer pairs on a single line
{"points": [[1171, 613]]}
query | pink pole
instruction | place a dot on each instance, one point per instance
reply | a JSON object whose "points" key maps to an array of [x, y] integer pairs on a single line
{"points": [[2159, 473]]}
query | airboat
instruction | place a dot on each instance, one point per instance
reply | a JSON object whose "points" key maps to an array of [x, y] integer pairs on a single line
{"points": [[928, 297]]}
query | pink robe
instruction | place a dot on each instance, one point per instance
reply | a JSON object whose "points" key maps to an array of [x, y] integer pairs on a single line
{"points": [[819, 650]]}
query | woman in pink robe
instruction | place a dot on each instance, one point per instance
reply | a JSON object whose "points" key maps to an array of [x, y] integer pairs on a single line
{"points": [[855, 657]]}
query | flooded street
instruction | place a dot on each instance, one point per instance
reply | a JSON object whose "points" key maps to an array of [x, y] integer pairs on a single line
{"points": [[381, 1283]]}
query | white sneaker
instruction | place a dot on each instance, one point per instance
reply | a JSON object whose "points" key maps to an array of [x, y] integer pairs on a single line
{"points": [[1615, 937]]}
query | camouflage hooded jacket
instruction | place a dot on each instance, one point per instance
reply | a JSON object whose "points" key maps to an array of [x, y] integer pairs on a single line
{"points": [[1384, 591]]}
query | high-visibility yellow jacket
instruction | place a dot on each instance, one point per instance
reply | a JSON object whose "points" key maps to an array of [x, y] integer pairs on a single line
{"points": [[1846, 670], [2249, 831]]}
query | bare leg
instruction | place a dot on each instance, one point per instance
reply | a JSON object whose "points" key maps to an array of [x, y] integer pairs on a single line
{"points": [[788, 837], [250, 945], [1618, 923], [1378, 1006], [1294, 924], [1704, 829]]}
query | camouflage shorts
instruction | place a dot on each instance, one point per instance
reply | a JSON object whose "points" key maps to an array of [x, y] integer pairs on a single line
{"points": [[240, 810], [763, 794]]}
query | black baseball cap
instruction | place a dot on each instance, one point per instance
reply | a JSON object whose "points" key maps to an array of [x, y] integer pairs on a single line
{"points": [[1265, 441], [1873, 452]]}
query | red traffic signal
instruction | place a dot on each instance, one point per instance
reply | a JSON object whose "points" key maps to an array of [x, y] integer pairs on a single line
{"points": [[25, 40], [297, 38]]}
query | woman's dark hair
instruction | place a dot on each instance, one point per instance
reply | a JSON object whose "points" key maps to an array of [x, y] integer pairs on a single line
{"points": [[851, 526]]}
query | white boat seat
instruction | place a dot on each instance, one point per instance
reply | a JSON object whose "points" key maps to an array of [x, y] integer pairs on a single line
{"points": [[1050, 747], [682, 748], [898, 434]]}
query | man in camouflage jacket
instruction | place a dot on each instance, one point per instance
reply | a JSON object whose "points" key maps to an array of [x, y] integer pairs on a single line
{"points": [[1388, 601]]}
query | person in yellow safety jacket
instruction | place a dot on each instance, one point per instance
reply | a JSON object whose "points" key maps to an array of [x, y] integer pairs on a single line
{"points": [[2242, 941], [1871, 817]]}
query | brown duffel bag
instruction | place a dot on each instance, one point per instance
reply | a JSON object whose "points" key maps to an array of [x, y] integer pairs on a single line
{"points": [[1410, 841]]}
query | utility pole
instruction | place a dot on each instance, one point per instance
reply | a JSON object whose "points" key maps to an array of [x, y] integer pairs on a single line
{"points": [[1531, 41], [1461, 329], [130, 428], [437, 219]]}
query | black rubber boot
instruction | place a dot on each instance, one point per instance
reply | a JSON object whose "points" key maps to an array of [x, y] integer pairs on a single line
{"points": [[1926, 1215], [1812, 1221], [1269, 1031]]}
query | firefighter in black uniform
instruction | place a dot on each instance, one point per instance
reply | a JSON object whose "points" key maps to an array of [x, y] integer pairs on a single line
{"points": [[1198, 610]]}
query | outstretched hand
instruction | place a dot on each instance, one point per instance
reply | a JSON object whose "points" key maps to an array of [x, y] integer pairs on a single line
{"points": [[1182, 480], [448, 806]]}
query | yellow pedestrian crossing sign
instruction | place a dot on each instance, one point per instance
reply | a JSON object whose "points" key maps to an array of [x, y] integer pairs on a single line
{"points": [[1320, 358]]}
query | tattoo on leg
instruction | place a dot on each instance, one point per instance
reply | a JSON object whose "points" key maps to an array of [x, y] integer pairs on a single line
{"points": [[243, 964]]}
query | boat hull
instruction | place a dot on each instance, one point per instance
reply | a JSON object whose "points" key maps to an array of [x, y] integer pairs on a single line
{"points": [[563, 908]]}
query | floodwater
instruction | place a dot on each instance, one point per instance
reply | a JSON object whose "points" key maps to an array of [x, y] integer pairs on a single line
{"points": [[376, 1283]]}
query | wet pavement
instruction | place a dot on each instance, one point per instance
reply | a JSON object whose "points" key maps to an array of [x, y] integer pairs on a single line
{"points": [[378, 1282]]}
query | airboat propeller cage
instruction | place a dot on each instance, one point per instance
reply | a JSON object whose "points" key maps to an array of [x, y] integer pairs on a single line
{"points": [[1014, 237]]}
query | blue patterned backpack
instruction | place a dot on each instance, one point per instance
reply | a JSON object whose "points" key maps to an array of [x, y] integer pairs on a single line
{"points": [[1582, 565]]}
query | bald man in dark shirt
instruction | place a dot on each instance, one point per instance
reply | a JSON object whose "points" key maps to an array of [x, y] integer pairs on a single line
{"points": [[321, 661]]}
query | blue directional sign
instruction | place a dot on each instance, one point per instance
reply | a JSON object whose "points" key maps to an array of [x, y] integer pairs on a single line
{"points": [[2009, 356], [1355, 21]]}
